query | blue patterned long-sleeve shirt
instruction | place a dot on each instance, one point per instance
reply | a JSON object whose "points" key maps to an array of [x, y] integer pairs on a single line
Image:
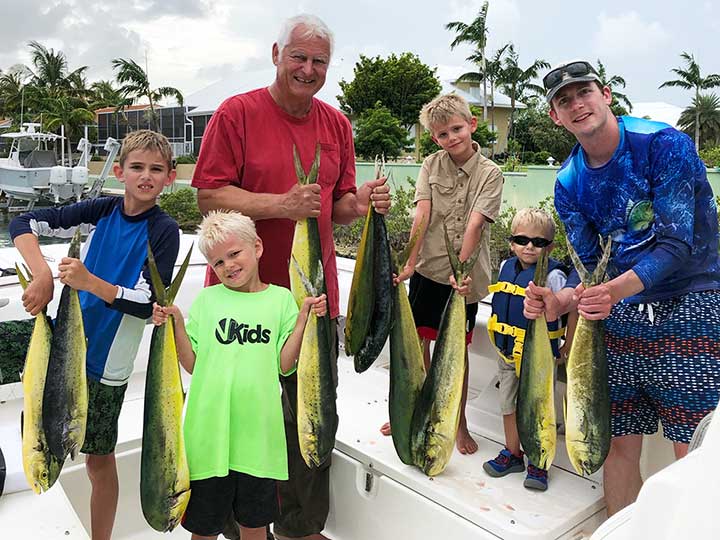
{"points": [[654, 201]]}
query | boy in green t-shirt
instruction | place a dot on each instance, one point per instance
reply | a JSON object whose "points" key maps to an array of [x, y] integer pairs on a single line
{"points": [[238, 336]]}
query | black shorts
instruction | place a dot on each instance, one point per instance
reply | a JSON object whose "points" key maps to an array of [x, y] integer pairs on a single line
{"points": [[104, 404], [253, 502], [428, 299]]}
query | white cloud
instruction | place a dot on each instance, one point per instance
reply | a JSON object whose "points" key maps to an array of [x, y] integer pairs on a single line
{"points": [[628, 34]]}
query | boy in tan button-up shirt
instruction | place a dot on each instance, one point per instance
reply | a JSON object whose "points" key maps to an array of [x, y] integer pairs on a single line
{"points": [[459, 187]]}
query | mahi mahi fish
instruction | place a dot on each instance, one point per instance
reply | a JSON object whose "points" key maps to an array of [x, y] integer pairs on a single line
{"points": [[535, 402], [587, 409], [40, 465], [317, 418], [65, 398], [407, 369], [164, 473], [437, 411], [370, 303], [306, 248]]}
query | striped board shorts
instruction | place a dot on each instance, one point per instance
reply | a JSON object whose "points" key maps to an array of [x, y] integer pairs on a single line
{"points": [[664, 363]]}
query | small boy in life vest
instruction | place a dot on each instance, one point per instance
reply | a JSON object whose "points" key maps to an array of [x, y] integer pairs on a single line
{"points": [[532, 230]]}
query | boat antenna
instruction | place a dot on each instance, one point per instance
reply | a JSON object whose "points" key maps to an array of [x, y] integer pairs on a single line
{"points": [[22, 105]]}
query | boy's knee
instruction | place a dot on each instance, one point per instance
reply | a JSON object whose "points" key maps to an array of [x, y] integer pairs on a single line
{"points": [[100, 467]]}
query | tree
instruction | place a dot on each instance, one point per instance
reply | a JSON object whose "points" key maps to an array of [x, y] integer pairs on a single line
{"points": [[703, 117], [379, 133], [402, 83], [517, 82], [690, 79], [136, 86], [536, 132], [613, 82], [475, 34], [68, 111], [12, 89]]}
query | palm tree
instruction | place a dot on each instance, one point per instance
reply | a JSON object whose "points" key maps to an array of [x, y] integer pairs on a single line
{"points": [[613, 82], [492, 72], [474, 33], [690, 79], [136, 85], [703, 116], [517, 83], [12, 89], [68, 111]]}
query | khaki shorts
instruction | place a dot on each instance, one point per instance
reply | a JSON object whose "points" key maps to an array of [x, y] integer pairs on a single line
{"points": [[508, 384]]}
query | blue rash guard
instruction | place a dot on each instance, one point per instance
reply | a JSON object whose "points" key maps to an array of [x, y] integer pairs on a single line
{"points": [[116, 252], [655, 202]]}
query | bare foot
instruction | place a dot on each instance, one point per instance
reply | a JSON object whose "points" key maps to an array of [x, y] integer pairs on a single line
{"points": [[464, 442], [385, 429]]}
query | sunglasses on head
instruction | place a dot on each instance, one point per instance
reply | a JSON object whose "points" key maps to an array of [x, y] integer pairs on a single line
{"points": [[522, 240], [572, 70]]}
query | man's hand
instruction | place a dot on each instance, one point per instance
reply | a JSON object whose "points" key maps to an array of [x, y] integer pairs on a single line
{"points": [[72, 272], [595, 302], [375, 191], [39, 292], [539, 300], [302, 201]]}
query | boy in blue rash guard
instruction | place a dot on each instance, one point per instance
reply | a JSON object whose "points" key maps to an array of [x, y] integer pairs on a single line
{"points": [[642, 184], [115, 294]]}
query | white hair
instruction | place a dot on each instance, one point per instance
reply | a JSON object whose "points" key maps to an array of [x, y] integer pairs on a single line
{"points": [[313, 26], [219, 225]]}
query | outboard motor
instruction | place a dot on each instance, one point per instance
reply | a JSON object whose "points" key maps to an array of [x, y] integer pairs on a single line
{"points": [[79, 179], [58, 179]]}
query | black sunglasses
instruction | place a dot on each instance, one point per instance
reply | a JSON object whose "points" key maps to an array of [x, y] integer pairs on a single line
{"points": [[574, 69], [522, 240]]}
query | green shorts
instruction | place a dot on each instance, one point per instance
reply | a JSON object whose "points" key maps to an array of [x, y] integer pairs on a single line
{"points": [[104, 404]]}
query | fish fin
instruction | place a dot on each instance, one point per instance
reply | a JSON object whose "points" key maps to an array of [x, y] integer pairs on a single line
{"points": [[21, 277], [454, 261], [577, 263], [309, 288], [175, 285], [315, 168], [27, 271], [404, 255], [157, 284], [319, 285], [299, 171], [74, 250], [541, 268], [599, 273]]}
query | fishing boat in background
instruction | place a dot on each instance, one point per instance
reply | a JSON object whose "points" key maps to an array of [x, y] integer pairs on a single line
{"points": [[32, 174]]}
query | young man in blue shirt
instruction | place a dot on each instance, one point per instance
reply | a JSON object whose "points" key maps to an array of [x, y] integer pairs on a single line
{"points": [[642, 184]]}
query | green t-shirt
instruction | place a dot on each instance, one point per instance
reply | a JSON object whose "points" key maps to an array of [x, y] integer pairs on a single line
{"points": [[234, 417]]}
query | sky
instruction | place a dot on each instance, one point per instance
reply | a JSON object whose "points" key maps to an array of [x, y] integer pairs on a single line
{"points": [[190, 44]]}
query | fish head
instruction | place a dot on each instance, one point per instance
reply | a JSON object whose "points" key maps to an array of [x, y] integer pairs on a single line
{"points": [[40, 473]]}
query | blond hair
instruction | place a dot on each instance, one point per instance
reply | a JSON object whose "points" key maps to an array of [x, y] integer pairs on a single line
{"points": [[219, 225], [145, 139], [534, 217], [442, 108]]}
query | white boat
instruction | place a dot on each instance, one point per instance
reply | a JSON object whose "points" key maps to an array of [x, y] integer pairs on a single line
{"points": [[374, 496], [31, 172]]}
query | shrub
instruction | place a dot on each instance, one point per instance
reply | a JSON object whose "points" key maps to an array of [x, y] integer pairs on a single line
{"points": [[185, 160], [711, 156], [181, 205]]}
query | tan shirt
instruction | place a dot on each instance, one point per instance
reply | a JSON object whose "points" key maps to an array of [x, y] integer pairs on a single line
{"points": [[454, 192]]}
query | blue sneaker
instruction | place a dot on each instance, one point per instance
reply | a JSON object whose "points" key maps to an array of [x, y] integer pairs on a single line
{"points": [[536, 478], [505, 463]]}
